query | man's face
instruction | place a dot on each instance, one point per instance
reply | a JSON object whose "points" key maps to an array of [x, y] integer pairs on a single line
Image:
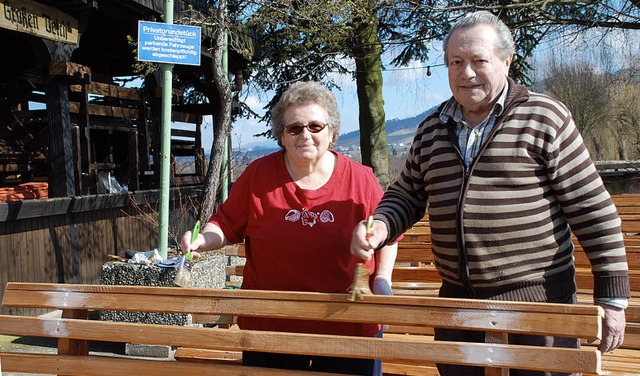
{"points": [[477, 74]]}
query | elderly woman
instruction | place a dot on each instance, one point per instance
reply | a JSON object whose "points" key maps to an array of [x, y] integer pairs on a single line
{"points": [[295, 210]]}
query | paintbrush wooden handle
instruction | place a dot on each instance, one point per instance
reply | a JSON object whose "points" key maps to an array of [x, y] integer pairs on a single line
{"points": [[370, 226]]}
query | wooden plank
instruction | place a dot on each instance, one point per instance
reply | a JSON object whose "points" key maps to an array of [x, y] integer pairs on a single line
{"points": [[195, 355], [476, 354], [183, 133], [202, 355], [621, 362], [632, 335], [184, 117], [183, 180], [108, 90], [104, 366], [62, 182], [73, 346], [110, 111], [44, 288], [406, 329], [67, 68], [71, 205], [390, 369], [235, 250], [548, 319], [425, 274], [626, 199], [234, 270]]}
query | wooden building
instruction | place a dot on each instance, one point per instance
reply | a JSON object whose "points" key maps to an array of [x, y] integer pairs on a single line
{"points": [[77, 148]]}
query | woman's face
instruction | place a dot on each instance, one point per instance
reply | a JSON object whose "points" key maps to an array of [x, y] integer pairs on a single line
{"points": [[306, 146]]}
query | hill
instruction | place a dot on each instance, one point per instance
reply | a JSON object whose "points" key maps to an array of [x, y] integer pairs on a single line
{"points": [[399, 133]]}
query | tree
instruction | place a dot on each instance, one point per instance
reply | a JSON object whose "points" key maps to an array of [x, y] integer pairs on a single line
{"points": [[313, 40], [626, 117], [583, 90], [221, 119], [604, 102], [211, 87], [308, 39], [367, 53]]}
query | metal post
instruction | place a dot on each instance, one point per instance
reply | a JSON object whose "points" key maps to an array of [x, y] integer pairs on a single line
{"points": [[165, 145]]}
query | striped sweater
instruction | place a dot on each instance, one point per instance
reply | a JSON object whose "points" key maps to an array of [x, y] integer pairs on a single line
{"points": [[501, 229]]}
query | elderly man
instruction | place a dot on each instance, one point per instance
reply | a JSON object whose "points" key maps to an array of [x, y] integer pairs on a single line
{"points": [[507, 179]]}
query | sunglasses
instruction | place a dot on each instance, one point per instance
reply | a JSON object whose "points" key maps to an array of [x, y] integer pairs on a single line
{"points": [[313, 127]]}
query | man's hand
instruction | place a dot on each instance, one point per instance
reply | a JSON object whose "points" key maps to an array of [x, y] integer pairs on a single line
{"points": [[612, 328], [363, 245]]}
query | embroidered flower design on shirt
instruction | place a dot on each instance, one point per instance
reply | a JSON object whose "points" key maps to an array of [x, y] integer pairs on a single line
{"points": [[309, 218]]}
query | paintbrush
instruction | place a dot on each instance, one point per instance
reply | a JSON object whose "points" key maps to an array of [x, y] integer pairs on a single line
{"points": [[185, 263], [360, 285]]}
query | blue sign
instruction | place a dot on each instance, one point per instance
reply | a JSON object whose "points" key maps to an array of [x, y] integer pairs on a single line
{"points": [[168, 43]]}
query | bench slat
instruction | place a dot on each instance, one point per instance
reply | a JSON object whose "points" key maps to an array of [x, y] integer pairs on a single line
{"points": [[414, 352], [103, 366], [621, 362], [198, 355], [422, 311], [93, 296], [391, 369]]}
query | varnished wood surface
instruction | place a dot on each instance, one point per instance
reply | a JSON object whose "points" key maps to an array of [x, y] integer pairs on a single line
{"points": [[18, 293], [547, 319], [109, 366], [397, 350]]}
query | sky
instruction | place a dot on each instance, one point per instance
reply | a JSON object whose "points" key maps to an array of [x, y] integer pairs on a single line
{"points": [[407, 92]]}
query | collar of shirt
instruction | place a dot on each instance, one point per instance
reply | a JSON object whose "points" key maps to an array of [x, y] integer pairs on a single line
{"points": [[453, 109], [471, 139]]}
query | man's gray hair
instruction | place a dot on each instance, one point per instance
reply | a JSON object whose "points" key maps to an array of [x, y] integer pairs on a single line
{"points": [[505, 46]]}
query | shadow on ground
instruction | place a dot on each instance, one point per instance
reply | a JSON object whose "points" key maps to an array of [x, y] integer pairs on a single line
{"points": [[17, 344]]}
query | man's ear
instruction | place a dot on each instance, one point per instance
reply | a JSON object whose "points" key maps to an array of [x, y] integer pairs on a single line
{"points": [[508, 61]]}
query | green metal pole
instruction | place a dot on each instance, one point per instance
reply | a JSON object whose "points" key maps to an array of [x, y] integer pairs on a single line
{"points": [[165, 145]]}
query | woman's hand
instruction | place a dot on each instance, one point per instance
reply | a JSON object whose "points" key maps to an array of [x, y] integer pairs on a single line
{"points": [[210, 237], [187, 245]]}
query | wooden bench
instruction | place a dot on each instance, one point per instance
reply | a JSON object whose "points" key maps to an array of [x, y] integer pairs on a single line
{"points": [[415, 274], [74, 330]]}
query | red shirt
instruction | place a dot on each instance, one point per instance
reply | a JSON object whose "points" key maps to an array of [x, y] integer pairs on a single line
{"points": [[298, 239]]}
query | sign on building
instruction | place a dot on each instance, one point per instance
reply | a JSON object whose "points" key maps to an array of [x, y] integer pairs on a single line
{"points": [[168, 43], [33, 18]]}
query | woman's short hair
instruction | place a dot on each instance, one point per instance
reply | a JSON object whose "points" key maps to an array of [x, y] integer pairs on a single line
{"points": [[505, 46], [303, 93]]}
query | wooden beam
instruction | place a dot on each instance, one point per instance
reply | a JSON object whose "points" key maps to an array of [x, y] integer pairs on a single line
{"points": [[108, 90], [469, 314], [107, 111], [62, 178], [100, 366], [409, 352], [69, 69]]}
